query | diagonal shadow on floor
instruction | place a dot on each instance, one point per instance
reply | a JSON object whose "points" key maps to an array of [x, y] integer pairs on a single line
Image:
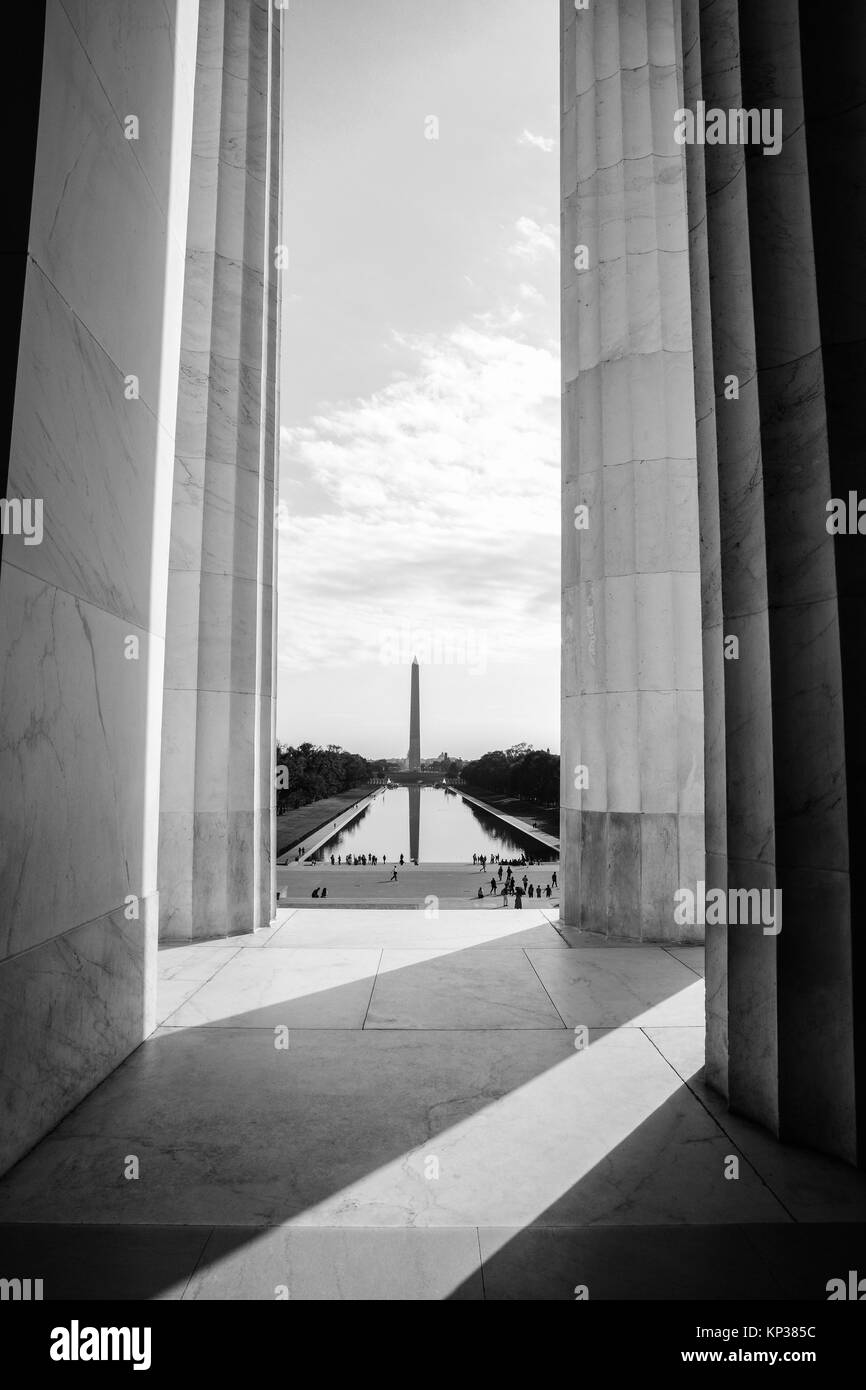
{"points": [[430, 1119]]}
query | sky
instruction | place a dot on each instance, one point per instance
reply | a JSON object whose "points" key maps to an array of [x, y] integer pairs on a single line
{"points": [[420, 379]]}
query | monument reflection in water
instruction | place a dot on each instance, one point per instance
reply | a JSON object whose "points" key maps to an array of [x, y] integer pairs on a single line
{"points": [[449, 831]]}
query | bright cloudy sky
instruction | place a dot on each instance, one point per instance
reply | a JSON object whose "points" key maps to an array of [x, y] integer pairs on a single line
{"points": [[420, 375]]}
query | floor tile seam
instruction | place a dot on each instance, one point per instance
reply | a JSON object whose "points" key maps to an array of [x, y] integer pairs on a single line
{"points": [[669, 951], [717, 1121], [372, 991], [201, 1254], [543, 985]]}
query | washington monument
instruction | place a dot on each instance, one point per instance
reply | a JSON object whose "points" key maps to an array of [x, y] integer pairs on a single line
{"points": [[414, 760]]}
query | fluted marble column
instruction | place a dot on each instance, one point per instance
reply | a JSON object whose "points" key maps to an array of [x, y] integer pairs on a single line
{"points": [[715, 803], [633, 778], [834, 89], [215, 851], [780, 1007]]}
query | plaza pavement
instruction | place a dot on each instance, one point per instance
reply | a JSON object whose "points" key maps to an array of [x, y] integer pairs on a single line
{"points": [[454, 885]]}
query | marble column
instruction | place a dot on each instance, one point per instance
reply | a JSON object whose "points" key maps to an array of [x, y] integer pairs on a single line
{"points": [[82, 612], [632, 720], [715, 805], [216, 834], [780, 1007], [834, 91]]}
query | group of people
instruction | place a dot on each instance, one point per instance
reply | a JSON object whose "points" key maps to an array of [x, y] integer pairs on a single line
{"points": [[484, 859], [367, 859], [518, 891], [510, 888]]}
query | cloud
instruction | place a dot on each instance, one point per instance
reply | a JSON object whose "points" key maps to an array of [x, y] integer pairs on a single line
{"points": [[437, 505], [534, 242], [540, 142], [530, 294]]}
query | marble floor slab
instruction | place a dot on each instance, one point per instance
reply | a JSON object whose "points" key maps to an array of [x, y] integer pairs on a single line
{"points": [[385, 1128], [292, 988], [333, 1264], [777, 1262], [415, 930], [614, 988], [104, 1261], [635, 1262], [193, 962], [463, 989], [181, 970]]}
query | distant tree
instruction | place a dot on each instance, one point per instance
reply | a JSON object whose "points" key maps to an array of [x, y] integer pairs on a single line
{"points": [[521, 770], [313, 773]]}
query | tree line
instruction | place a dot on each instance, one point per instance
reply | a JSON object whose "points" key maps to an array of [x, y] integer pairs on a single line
{"points": [[531, 773], [310, 773]]}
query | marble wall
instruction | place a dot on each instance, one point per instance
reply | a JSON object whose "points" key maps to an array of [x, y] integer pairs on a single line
{"points": [[632, 714], [216, 874], [82, 615]]}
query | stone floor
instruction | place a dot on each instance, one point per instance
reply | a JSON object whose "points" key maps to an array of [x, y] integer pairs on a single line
{"points": [[379, 1104]]}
